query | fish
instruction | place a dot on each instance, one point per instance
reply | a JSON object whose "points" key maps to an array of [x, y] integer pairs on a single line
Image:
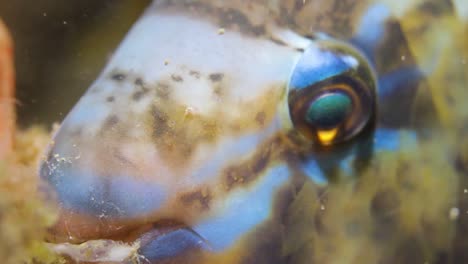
{"points": [[252, 132]]}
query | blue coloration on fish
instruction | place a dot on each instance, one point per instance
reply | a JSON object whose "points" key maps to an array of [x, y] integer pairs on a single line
{"points": [[205, 149], [325, 65], [371, 29], [245, 212]]}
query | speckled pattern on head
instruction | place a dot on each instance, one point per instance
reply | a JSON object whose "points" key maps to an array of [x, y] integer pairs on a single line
{"points": [[185, 136], [186, 114]]}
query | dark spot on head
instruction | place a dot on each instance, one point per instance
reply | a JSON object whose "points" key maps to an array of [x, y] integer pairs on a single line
{"points": [[137, 95], [139, 82], [234, 18], [160, 122], [122, 159], [260, 163], [218, 90], [111, 121], [247, 171], [216, 77], [225, 17], [195, 74], [173, 140], [118, 77], [236, 176], [163, 90], [260, 118], [278, 41], [110, 99], [200, 198], [177, 78]]}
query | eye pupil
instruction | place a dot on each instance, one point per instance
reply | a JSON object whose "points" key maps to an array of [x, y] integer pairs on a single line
{"points": [[332, 93], [329, 110]]}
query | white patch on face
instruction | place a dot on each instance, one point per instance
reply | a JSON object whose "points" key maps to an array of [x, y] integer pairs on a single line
{"points": [[249, 65], [350, 60], [89, 113], [291, 38], [154, 51]]}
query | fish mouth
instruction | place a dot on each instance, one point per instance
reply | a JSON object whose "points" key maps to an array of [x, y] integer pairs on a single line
{"points": [[159, 242], [107, 218]]}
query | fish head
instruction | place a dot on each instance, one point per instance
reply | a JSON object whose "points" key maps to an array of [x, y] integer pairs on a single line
{"points": [[211, 117]]}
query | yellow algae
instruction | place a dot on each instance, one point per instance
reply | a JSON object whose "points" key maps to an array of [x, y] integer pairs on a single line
{"points": [[403, 197], [441, 50], [23, 216]]}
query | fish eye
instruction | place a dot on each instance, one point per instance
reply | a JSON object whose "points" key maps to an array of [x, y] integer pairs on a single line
{"points": [[332, 92]]}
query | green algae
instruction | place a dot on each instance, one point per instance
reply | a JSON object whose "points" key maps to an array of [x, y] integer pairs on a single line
{"points": [[410, 205], [402, 199], [24, 217]]}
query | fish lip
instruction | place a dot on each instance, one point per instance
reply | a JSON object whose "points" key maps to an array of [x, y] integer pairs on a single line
{"points": [[164, 239]]}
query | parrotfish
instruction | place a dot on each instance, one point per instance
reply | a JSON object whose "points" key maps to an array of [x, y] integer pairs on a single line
{"points": [[218, 129]]}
